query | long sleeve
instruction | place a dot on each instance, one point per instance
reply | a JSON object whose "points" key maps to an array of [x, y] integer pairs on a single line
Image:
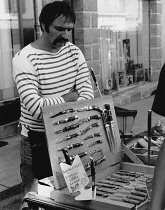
{"points": [[83, 83], [28, 87], [42, 78]]}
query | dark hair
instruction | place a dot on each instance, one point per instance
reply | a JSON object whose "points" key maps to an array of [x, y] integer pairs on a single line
{"points": [[53, 10]]}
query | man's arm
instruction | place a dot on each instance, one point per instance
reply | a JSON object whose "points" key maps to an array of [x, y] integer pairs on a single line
{"points": [[71, 96], [158, 188], [82, 82], [27, 84]]}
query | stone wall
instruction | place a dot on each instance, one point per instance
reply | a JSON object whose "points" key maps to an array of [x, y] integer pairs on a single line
{"points": [[86, 33], [155, 38]]}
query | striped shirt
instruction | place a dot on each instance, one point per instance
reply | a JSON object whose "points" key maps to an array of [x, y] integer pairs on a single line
{"points": [[42, 78]]}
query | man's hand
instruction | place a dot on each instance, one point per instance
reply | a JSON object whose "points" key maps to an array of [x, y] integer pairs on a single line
{"points": [[71, 96]]}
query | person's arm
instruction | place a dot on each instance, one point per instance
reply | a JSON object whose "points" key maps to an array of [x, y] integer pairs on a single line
{"points": [[27, 84], [82, 82], [71, 96], [158, 187]]}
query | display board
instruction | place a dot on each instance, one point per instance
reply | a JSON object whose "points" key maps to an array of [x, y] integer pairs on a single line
{"points": [[92, 131]]}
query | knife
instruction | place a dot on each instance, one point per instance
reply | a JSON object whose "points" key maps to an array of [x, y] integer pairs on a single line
{"points": [[121, 195], [111, 122], [99, 141], [93, 173], [70, 110], [96, 124], [88, 108], [119, 180], [107, 130], [98, 161], [71, 146], [72, 157], [97, 150], [126, 200], [133, 192], [134, 197], [80, 122], [124, 177], [68, 137], [92, 136], [69, 119]]}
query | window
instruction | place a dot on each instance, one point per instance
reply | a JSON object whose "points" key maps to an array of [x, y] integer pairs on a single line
{"points": [[16, 31], [123, 42]]}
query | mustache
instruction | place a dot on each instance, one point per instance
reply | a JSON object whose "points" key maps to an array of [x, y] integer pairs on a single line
{"points": [[60, 40]]}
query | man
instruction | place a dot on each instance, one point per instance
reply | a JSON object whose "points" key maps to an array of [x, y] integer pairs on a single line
{"points": [[158, 187], [49, 71]]}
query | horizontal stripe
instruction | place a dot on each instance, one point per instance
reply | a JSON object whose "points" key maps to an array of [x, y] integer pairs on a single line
{"points": [[43, 77]]}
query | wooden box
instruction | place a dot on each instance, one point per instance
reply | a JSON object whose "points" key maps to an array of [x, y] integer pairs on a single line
{"points": [[107, 155], [139, 146]]}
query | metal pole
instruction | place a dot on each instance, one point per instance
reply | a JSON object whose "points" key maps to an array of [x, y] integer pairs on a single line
{"points": [[37, 30], [20, 23]]}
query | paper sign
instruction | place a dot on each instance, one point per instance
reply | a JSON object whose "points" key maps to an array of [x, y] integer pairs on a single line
{"points": [[75, 175]]}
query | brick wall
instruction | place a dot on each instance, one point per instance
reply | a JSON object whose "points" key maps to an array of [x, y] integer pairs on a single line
{"points": [[155, 38], [86, 33]]}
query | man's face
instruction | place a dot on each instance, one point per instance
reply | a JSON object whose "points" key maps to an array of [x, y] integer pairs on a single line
{"points": [[59, 32]]}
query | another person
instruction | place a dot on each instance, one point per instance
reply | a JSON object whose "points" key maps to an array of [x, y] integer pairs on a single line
{"points": [[158, 187], [49, 71]]}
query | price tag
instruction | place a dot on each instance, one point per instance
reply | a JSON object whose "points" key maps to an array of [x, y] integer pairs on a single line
{"points": [[75, 175]]}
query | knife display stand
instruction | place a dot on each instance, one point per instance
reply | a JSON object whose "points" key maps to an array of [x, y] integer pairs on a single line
{"points": [[80, 140], [89, 128]]}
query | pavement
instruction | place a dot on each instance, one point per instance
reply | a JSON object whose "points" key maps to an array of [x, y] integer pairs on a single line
{"points": [[10, 180]]}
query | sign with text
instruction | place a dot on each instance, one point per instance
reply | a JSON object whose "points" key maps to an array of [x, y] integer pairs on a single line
{"points": [[75, 175]]}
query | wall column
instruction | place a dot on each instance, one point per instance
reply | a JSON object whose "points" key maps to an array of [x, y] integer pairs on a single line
{"points": [[155, 38], [87, 33]]}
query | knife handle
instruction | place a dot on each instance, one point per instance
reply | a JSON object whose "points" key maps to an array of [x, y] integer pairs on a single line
{"points": [[95, 117], [66, 155]]}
